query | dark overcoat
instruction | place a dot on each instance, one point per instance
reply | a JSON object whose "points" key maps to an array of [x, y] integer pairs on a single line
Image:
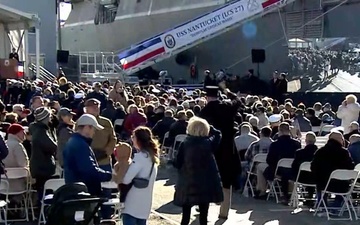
{"points": [[221, 115], [199, 180]]}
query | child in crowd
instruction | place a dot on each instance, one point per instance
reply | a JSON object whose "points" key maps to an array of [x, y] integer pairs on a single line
{"points": [[123, 156]]}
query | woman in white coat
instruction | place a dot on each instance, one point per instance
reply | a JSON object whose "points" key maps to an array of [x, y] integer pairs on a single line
{"points": [[144, 165], [348, 112], [17, 157]]}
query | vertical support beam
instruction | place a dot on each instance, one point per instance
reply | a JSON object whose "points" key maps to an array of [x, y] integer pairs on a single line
{"points": [[26, 47], [283, 27], [37, 52]]}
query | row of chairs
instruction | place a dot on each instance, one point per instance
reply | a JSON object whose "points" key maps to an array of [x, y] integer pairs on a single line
{"points": [[298, 189]]}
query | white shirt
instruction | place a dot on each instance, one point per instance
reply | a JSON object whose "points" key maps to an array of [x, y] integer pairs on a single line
{"points": [[138, 201]]}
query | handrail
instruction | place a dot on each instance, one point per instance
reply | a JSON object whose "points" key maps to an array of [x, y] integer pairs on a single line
{"points": [[44, 75]]}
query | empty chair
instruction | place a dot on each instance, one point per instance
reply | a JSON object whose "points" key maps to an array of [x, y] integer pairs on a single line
{"points": [[178, 140], [299, 185]]}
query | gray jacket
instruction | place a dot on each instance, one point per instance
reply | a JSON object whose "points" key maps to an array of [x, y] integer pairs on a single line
{"points": [[64, 132], [43, 150]]}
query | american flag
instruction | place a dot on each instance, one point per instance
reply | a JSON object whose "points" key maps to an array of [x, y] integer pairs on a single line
{"points": [[20, 70]]}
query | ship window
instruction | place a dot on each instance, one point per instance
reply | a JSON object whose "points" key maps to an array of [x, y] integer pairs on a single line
{"points": [[106, 11]]}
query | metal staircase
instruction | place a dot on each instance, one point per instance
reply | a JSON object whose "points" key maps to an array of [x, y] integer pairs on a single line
{"points": [[44, 75]]}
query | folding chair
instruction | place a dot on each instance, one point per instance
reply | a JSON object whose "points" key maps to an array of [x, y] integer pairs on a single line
{"points": [[4, 189], [178, 140], [18, 175], [113, 201], [342, 175], [274, 185], [299, 186], [258, 158], [59, 171], [53, 185], [356, 192], [165, 149], [326, 129]]}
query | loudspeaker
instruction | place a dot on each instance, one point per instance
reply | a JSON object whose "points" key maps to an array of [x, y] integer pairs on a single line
{"points": [[258, 55], [62, 56]]}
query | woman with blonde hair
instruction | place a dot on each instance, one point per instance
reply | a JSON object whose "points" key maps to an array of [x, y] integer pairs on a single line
{"points": [[348, 112], [144, 166], [199, 180], [119, 94]]}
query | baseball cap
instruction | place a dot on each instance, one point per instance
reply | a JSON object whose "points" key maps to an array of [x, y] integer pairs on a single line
{"points": [[97, 84], [88, 120], [92, 102], [65, 112]]}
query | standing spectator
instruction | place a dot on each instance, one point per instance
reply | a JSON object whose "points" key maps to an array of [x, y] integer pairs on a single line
{"points": [[64, 132], [36, 102], [119, 94], [43, 149], [98, 94], [348, 112], [144, 165], [80, 164], [110, 111], [103, 145], [195, 160]]}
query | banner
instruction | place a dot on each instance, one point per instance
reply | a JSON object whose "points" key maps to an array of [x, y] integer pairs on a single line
{"points": [[211, 23]]}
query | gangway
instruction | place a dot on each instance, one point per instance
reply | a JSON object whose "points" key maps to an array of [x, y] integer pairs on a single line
{"points": [[195, 32]]}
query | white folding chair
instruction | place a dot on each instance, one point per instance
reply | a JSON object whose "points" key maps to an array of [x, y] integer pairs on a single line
{"points": [[115, 202], [53, 185], [178, 140], [342, 175], [299, 186], [18, 175], [118, 122], [59, 171], [258, 158], [4, 189], [326, 129], [165, 149], [274, 185], [356, 192]]}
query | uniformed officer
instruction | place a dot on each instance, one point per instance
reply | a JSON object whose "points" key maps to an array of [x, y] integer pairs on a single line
{"points": [[221, 114]]}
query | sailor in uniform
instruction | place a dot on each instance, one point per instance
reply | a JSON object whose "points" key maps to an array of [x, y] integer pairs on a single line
{"points": [[221, 114]]}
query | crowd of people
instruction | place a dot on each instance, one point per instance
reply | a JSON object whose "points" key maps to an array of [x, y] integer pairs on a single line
{"points": [[101, 132]]}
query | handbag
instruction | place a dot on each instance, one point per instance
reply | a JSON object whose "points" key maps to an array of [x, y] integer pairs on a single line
{"points": [[142, 183]]}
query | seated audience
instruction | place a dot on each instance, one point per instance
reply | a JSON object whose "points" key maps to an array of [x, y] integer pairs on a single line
{"points": [[354, 129], [354, 148]]}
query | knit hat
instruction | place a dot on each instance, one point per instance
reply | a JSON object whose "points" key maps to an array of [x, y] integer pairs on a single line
{"points": [[15, 128], [41, 113]]}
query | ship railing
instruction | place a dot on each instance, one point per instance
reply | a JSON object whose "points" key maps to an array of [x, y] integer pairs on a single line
{"points": [[44, 74]]}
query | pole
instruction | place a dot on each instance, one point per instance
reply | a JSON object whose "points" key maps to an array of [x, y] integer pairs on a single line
{"points": [[37, 53], [26, 58], [59, 25]]}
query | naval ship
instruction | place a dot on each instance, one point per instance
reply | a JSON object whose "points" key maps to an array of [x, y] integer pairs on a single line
{"points": [[112, 27]]}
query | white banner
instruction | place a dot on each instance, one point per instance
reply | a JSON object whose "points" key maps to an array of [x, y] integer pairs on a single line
{"points": [[210, 23]]}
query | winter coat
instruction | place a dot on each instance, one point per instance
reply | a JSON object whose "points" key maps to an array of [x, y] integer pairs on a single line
{"points": [[43, 150], [64, 133], [348, 114], [162, 127], [199, 179]]}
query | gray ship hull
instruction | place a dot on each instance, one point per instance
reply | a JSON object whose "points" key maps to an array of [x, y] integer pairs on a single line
{"points": [[231, 50]]}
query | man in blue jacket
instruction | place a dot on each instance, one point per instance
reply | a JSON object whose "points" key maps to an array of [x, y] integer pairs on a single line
{"points": [[80, 164]]}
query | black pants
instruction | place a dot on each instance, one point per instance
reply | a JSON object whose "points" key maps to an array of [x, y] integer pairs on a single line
{"points": [[203, 208]]}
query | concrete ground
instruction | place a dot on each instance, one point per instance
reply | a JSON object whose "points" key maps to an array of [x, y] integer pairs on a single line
{"points": [[244, 211]]}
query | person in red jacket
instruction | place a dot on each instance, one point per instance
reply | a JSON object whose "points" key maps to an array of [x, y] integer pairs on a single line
{"points": [[134, 119]]}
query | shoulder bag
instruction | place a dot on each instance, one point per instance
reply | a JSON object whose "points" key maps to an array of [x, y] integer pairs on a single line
{"points": [[142, 183]]}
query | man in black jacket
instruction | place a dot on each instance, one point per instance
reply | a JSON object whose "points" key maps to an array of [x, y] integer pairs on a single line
{"points": [[221, 114], [163, 126]]}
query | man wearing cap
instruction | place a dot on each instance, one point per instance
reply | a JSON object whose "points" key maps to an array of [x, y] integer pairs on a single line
{"points": [[80, 164], [104, 143], [99, 95], [64, 131], [221, 115]]}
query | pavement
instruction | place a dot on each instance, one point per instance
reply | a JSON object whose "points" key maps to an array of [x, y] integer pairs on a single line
{"points": [[341, 82], [244, 210]]}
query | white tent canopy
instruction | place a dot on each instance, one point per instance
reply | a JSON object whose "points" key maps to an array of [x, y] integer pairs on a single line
{"points": [[14, 25]]}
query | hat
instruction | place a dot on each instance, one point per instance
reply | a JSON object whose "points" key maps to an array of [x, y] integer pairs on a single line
{"points": [[88, 120], [212, 91], [65, 112], [97, 84], [275, 118], [92, 102], [79, 95], [15, 128], [41, 113], [155, 90]]}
